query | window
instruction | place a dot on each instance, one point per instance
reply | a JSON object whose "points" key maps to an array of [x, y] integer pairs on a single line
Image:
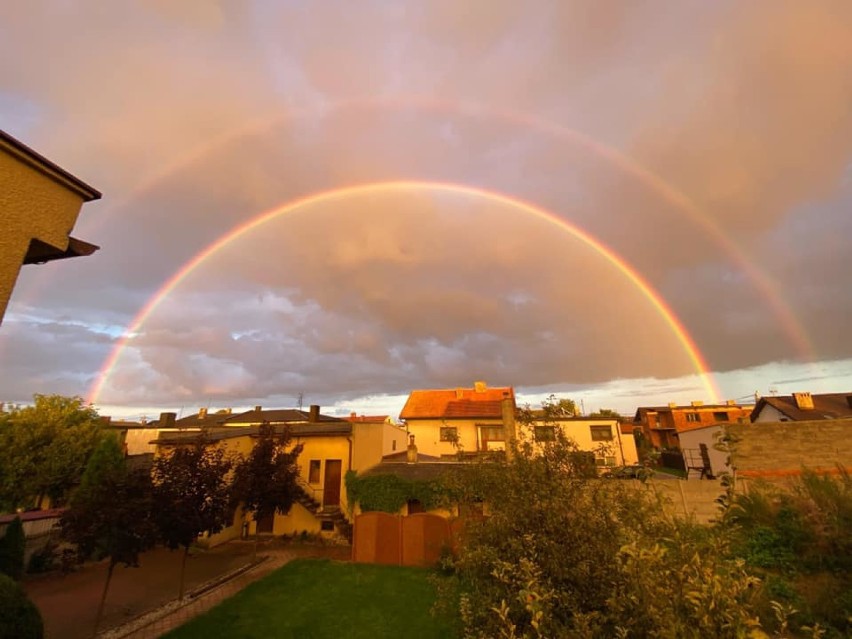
{"points": [[601, 433], [449, 434], [693, 417], [720, 416], [491, 433], [314, 471], [393, 445], [545, 433], [327, 526], [604, 460]]}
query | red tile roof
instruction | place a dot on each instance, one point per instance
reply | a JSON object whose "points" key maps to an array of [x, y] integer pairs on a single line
{"points": [[368, 419], [474, 403]]}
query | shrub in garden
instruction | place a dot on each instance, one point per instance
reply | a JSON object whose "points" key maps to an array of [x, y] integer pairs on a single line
{"points": [[19, 618]]}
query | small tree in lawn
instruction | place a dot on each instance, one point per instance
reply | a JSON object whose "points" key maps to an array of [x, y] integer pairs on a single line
{"points": [[192, 495], [110, 514], [265, 482], [12, 550]]}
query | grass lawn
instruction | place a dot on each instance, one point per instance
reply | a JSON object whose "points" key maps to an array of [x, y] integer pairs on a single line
{"points": [[317, 598]]}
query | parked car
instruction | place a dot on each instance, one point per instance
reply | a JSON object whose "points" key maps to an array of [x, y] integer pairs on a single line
{"points": [[635, 471]]}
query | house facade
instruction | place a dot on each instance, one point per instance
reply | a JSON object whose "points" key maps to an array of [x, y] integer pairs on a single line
{"points": [[800, 407], [446, 422], [601, 436], [39, 205], [661, 426], [330, 448]]}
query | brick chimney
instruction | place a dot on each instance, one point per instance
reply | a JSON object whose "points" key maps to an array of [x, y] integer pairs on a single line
{"points": [[696, 403], [803, 401], [480, 386], [258, 408], [313, 415], [202, 413], [507, 407], [167, 420], [411, 453]]}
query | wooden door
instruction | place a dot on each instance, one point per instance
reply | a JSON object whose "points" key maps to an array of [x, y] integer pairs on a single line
{"points": [[331, 485]]}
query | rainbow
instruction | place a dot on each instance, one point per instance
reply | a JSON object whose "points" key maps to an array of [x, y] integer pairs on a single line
{"points": [[765, 285], [653, 297]]}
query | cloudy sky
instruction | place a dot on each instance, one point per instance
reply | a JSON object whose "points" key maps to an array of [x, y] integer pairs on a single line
{"points": [[707, 145]]}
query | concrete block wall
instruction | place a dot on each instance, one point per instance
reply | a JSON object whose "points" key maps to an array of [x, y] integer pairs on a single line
{"points": [[782, 449]]}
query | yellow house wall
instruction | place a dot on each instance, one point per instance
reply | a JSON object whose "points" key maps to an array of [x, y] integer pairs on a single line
{"points": [[32, 206], [581, 433], [427, 434]]}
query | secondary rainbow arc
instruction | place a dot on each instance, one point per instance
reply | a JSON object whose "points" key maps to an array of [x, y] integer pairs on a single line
{"points": [[654, 298], [676, 198]]}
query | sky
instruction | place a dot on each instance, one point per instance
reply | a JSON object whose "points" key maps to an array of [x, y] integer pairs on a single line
{"points": [[595, 200]]}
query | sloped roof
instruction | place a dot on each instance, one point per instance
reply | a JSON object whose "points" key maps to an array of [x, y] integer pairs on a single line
{"points": [[421, 471], [826, 406], [456, 402], [220, 433], [276, 416], [367, 419]]}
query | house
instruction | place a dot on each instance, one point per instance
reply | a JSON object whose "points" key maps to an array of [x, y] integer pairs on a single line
{"points": [[700, 456], [803, 407], [603, 437], [39, 205], [330, 448], [446, 422], [661, 426]]}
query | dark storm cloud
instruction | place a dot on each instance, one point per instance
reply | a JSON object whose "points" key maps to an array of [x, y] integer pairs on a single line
{"points": [[194, 116]]}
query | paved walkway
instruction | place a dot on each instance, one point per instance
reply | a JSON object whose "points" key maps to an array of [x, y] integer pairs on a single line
{"points": [[68, 603], [173, 615]]}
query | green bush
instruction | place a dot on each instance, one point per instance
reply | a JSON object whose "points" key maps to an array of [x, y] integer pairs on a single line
{"points": [[12, 549], [20, 619], [44, 559], [564, 555]]}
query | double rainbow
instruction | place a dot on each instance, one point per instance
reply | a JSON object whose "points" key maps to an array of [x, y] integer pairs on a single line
{"points": [[337, 194]]}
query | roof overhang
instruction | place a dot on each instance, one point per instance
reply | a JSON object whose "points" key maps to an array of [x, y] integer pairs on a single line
{"points": [[41, 252]]}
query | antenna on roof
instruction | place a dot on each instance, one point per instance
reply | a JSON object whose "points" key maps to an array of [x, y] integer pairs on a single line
{"points": [[301, 396]]}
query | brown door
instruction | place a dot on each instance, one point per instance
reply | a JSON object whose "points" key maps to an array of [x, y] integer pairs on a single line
{"points": [[265, 524], [331, 485]]}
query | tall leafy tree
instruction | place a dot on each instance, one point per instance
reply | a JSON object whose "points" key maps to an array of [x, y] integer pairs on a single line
{"points": [[111, 512], [192, 495], [44, 449], [266, 481]]}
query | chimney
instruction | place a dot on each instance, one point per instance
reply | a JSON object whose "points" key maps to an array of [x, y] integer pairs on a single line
{"points": [[353, 415], [258, 408], [731, 402], [105, 420], [803, 401], [411, 453], [313, 416], [202, 413], [672, 404], [696, 403], [167, 420], [459, 393], [480, 386], [507, 407]]}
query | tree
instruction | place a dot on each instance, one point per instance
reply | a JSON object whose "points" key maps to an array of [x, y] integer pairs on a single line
{"points": [[554, 407], [266, 482], [20, 618], [192, 495], [605, 412], [110, 514], [12, 550], [44, 449]]}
